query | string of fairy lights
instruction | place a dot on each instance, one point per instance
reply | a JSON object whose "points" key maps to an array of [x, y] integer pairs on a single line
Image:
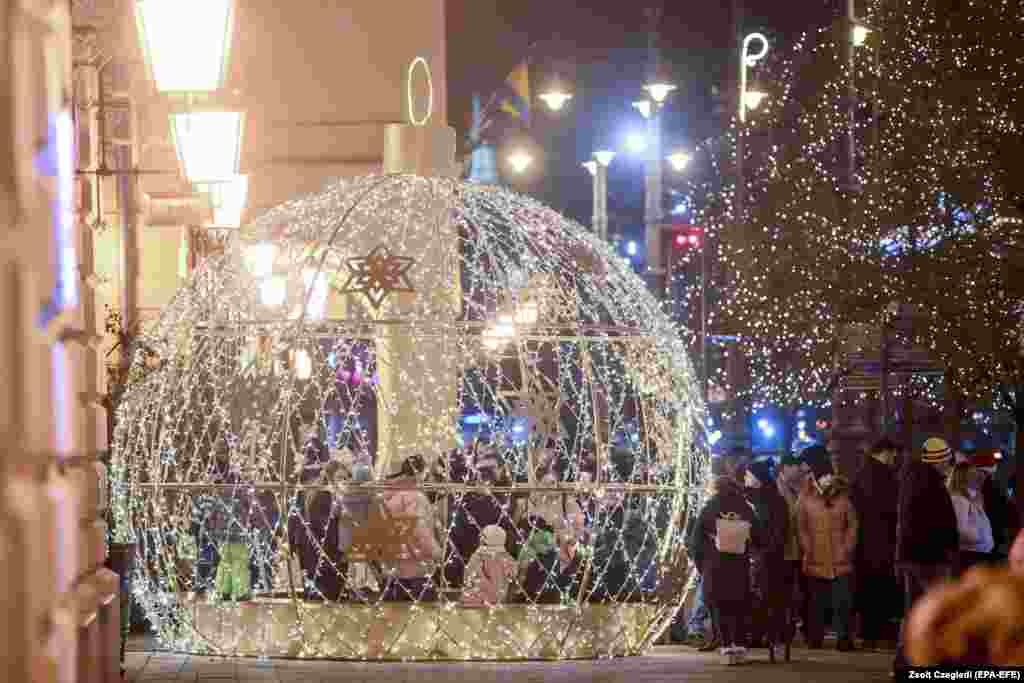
{"points": [[344, 339], [928, 222]]}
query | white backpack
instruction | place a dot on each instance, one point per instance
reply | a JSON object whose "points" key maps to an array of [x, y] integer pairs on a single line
{"points": [[731, 534]]}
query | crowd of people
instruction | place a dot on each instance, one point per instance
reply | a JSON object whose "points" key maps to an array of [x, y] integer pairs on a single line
{"points": [[474, 543], [796, 545]]}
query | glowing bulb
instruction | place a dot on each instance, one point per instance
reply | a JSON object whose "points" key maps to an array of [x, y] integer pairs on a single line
{"points": [[590, 166], [274, 291], [860, 35], [753, 98], [556, 99], [520, 161], [303, 364], [259, 258], [631, 248], [659, 91], [679, 160]]}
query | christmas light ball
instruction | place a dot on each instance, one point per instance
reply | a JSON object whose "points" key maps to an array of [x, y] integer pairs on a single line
{"points": [[410, 418]]}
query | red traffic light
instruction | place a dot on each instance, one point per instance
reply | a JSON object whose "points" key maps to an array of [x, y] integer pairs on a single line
{"points": [[683, 240]]}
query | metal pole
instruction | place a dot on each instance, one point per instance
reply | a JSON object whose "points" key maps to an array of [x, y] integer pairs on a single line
{"points": [[885, 378], [653, 170], [851, 94], [704, 318], [601, 184]]}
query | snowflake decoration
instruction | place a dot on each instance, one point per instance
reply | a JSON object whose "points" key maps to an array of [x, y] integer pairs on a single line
{"points": [[378, 274]]}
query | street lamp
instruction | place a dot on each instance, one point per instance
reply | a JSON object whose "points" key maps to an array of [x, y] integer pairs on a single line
{"points": [[520, 161], [860, 34], [555, 95], [659, 91], [749, 59], [679, 161], [208, 144], [186, 42], [599, 170]]}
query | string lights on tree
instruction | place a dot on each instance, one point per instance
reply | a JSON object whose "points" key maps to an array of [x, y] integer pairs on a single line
{"points": [[928, 220]]}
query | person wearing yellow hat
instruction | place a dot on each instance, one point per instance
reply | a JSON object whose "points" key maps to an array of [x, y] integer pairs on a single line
{"points": [[927, 539]]}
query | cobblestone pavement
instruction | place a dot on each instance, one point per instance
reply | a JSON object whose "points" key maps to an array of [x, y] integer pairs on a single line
{"points": [[666, 663]]}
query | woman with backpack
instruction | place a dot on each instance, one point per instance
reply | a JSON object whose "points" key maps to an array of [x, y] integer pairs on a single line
{"points": [[722, 536]]}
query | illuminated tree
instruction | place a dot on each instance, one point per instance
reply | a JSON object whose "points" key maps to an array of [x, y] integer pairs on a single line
{"points": [[936, 117]]}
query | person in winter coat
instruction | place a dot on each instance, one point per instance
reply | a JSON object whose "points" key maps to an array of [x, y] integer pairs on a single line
{"points": [[976, 542], [413, 577], [875, 495], [722, 556], [490, 571], [828, 536], [928, 540], [770, 569]]}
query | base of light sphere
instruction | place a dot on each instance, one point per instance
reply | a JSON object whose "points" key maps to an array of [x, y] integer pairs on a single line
{"points": [[269, 627]]}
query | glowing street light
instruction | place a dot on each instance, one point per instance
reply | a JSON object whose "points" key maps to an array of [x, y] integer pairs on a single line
{"points": [[747, 60], [259, 258], [208, 143], [520, 161], [186, 42], [555, 99], [604, 157], [753, 98], [659, 91], [678, 160], [273, 291], [860, 34]]}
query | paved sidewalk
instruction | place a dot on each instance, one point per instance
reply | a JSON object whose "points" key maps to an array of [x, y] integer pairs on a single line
{"points": [[667, 663]]}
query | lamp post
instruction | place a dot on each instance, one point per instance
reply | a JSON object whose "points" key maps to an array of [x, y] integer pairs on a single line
{"points": [[748, 99], [599, 170]]}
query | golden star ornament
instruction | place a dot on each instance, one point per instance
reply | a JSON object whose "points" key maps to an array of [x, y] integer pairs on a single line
{"points": [[378, 274]]}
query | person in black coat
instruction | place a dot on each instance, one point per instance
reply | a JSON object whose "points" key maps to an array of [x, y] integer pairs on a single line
{"points": [[927, 540], [771, 622], [875, 497], [726, 575]]}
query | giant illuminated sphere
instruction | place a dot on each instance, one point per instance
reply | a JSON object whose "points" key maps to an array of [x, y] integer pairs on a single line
{"points": [[265, 457]]}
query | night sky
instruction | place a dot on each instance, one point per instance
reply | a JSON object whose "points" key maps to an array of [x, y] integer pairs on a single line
{"points": [[599, 48]]}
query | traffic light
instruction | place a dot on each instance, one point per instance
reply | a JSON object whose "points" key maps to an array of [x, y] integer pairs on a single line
{"points": [[688, 239]]}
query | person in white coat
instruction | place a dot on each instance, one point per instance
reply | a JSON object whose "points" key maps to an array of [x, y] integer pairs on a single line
{"points": [[973, 525]]}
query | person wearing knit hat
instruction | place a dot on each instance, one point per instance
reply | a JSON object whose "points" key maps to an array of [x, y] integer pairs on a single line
{"points": [[875, 494], [927, 541], [771, 578], [936, 452]]}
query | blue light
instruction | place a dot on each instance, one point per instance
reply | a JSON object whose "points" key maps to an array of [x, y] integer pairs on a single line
{"points": [[769, 431], [631, 248], [801, 425], [479, 418], [518, 429], [763, 424], [714, 437]]}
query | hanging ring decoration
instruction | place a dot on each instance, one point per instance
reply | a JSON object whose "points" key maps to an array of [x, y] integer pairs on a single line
{"points": [[430, 92]]}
